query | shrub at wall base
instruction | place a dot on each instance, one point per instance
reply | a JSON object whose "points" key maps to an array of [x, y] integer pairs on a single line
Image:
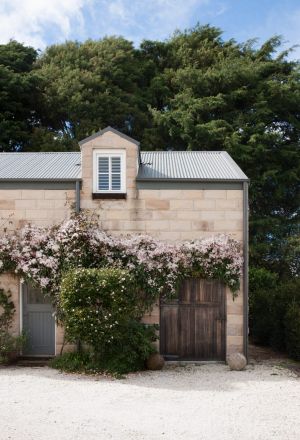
{"points": [[102, 309], [292, 330], [9, 345]]}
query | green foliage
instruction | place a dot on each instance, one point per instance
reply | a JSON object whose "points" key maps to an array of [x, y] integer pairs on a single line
{"points": [[19, 95], [193, 91], [101, 308], [124, 356], [97, 303], [80, 362], [262, 285], [292, 330], [272, 304], [7, 310], [91, 85], [286, 293], [10, 346], [8, 343], [129, 353], [226, 96]]}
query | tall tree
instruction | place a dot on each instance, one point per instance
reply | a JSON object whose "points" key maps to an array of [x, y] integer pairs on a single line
{"points": [[19, 93], [90, 85], [224, 95], [194, 91]]}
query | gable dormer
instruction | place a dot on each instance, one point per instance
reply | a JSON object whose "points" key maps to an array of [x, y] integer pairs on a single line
{"points": [[109, 164]]}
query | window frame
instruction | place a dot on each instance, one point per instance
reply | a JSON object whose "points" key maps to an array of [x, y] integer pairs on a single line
{"points": [[109, 154]]}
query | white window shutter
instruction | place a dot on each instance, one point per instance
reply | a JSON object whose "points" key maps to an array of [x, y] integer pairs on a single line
{"points": [[103, 173], [110, 172]]}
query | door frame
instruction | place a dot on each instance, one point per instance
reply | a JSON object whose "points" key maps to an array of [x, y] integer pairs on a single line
{"points": [[21, 285], [225, 334]]}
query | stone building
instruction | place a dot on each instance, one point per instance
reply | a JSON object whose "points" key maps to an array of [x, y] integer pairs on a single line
{"points": [[172, 195]]}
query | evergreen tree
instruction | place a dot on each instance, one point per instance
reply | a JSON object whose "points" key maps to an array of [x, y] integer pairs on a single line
{"points": [[90, 85], [194, 91], [19, 93], [229, 96]]}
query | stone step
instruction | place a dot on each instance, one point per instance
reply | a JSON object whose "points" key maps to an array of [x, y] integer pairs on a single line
{"points": [[31, 361]]}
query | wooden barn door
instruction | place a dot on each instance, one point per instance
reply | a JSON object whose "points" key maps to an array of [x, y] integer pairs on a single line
{"points": [[192, 327]]}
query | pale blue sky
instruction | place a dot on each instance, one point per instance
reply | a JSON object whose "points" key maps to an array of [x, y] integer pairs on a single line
{"points": [[43, 22]]}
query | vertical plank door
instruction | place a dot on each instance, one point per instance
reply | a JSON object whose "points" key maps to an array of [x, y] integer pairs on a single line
{"points": [[193, 326]]}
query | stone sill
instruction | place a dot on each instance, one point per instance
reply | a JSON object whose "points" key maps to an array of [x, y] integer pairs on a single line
{"points": [[112, 196]]}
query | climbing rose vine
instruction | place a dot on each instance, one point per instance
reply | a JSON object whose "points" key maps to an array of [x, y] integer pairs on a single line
{"points": [[43, 255]]}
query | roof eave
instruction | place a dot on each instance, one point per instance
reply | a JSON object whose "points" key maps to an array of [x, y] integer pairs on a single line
{"points": [[73, 179], [159, 179]]}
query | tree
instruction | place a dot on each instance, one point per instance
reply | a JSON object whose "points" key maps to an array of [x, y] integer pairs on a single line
{"points": [[228, 96], [194, 91], [19, 92], [90, 85]]}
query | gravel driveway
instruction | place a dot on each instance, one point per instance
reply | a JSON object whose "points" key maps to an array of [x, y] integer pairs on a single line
{"points": [[195, 402]]}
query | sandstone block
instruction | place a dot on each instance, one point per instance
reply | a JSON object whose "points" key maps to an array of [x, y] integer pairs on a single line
{"points": [[157, 225], [204, 204], [7, 204], [129, 226], [234, 194], [190, 215], [54, 194], [157, 204], [36, 214], [227, 204], [145, 194], [10, 194], [213, 215], [215, 194], [180, 225], [181, 204], [32, 194], [202, 225]]}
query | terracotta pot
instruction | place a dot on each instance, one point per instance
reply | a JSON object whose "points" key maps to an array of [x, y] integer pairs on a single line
{"points": [[12, 357], [155, 362]]}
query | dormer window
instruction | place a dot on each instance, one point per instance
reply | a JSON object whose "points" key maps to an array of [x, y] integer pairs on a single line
{"points": [[109, 172]]}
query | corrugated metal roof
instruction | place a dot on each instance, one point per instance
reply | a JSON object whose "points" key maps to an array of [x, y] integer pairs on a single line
{"points": [[40, 166], [156, 165], [189, 165]]}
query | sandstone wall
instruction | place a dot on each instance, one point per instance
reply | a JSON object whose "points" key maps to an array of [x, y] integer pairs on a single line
{"points": [[36, 206], [171, 215]]}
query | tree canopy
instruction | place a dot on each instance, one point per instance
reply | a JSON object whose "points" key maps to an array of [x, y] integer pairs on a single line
{"points": [[19, 95], [193, 91]]}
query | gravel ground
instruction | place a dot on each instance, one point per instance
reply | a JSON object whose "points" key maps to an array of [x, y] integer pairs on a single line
{"points": [[194, 402]]}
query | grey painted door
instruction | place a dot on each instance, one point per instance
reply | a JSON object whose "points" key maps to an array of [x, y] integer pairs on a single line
{"points": [[38, 322]]}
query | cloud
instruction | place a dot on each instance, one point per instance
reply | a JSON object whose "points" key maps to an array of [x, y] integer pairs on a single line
{"points": [[40, 22], [33, 21]]}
